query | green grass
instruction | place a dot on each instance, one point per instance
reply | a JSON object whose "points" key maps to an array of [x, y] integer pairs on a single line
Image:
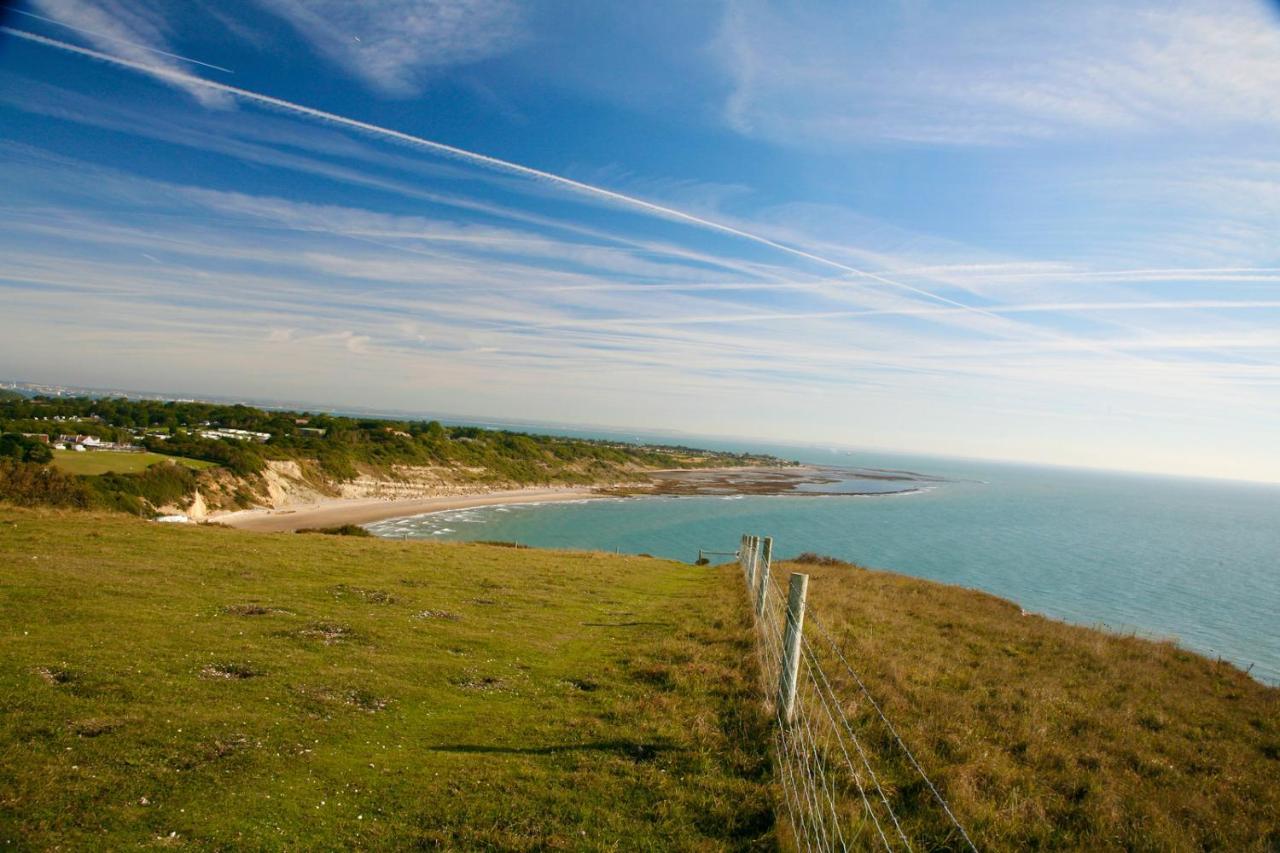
{"points": [[218, 689], [91, 462], [1048, 735], [255, 691]]}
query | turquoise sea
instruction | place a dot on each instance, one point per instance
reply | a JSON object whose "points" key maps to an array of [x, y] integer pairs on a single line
{"points": [[1195, 560]]}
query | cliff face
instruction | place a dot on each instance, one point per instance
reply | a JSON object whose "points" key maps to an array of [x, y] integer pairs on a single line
{"points": [[286, 484]]}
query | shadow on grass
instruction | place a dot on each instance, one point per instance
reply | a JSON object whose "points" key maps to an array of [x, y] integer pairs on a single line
{"points": [[639, 751], [628, 624]]}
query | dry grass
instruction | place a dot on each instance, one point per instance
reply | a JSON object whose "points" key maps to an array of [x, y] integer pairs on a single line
{"points": [[1047, 735]]}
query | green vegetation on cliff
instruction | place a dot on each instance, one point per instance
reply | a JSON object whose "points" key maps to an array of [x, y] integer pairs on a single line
{"points": [[331, 448]]}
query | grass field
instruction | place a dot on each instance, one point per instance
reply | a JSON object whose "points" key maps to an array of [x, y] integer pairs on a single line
{"points": [[218, 689], [110, 461], [1045, 735]]}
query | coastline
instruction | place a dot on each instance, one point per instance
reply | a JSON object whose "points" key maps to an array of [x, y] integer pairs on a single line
{"points": [[670, 482], [341, 511]]}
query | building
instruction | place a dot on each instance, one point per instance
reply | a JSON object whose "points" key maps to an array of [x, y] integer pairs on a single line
{"points": [[236, 435], [81, 443]]}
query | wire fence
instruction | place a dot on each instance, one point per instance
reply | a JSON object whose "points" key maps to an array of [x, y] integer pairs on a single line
{"points": [[842, 766]]}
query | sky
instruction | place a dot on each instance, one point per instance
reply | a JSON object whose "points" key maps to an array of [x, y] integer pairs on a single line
{"points": [[1037, 231]]}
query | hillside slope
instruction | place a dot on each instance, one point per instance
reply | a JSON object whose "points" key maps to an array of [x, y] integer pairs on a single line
{"points": [[215, 688], [1043, 734], [222, 689]]}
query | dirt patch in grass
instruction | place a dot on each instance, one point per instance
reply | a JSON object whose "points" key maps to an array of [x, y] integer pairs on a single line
{"points": [[368, 596], [355, 698], [657, 675], [437, 614], [224, 746], [362, 700], [585, 685], [479, 683], [55, 675], [94, 726], [328, 633], [229, 671], [252, 609]]}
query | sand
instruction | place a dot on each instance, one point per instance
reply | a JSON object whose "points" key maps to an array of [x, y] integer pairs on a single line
{"points": [[365, 511]]}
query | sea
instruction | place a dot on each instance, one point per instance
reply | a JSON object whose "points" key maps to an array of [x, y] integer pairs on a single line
{"points": [[1192, 560]]}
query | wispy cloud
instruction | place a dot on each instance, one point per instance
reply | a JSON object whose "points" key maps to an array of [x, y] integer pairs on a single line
{"points": [[998, 73], [135, 31], [396, 270], [393, 46]]}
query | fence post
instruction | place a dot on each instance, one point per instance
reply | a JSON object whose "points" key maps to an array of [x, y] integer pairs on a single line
{"points": [[797, 592], [742, 554], [753, 552], [762, 574]]}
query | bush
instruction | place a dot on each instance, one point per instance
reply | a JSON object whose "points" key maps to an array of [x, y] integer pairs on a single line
{"points": [[337, 464], [811, 559], [32, 484], [340, 530], [137, 493], [23, 449]]}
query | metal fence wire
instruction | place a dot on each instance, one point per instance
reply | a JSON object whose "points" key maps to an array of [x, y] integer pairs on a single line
{"points": [[830, 734]]}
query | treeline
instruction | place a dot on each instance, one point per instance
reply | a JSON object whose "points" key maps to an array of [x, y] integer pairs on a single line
{"points": [[342, 446]]}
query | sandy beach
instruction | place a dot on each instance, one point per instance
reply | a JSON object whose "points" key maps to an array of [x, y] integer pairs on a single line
{"points": [[340, 511], [675, 482]]}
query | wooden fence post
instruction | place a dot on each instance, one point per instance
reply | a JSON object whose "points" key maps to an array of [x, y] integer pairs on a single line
{"points": [[762, 574], [797, 592]]}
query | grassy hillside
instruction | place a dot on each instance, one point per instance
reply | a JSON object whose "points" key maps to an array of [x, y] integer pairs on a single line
{"points": [[1047, 735], [218, 689], [205, 687], [108, 461]]}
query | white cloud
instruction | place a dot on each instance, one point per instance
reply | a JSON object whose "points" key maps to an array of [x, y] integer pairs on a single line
{"points": [[998, 73], [393, 45], [134, 31]]}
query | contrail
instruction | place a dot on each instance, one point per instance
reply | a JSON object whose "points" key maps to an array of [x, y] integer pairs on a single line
{"points": [[507, 166], [490, 162], [97, 34]]}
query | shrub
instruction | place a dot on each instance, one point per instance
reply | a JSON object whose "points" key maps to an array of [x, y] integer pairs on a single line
{"points": [[158, 485], [809, 558], [23, 449], [340, 530], [31, 484]]}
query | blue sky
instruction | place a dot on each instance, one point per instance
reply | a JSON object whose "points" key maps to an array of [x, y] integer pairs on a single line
{"points": [[1035, 231]]}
